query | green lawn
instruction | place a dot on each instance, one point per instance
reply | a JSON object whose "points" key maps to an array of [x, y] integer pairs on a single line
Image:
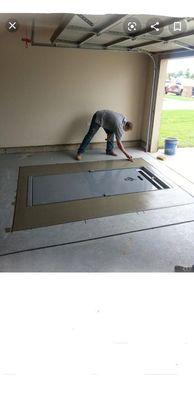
{"points": [[180, 98], [178, 124]]}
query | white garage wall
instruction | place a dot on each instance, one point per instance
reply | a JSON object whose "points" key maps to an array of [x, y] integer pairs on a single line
{"points": [[48, 95]]}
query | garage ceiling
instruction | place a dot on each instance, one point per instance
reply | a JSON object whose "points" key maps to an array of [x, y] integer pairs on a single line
{"points": [[106, 32]]}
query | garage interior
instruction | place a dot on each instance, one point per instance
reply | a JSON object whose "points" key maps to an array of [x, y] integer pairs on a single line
{"points": [[56, 71]]}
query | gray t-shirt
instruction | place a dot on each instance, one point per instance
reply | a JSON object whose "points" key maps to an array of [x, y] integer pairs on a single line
{"points": [[112, 121]]}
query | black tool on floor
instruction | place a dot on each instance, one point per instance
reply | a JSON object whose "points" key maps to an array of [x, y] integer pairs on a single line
{"points": [[180, 268]]}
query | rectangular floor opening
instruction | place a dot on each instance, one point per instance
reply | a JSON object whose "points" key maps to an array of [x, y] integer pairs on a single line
{"points": [[59, 193]]}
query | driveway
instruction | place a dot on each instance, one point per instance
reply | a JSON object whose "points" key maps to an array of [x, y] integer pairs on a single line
{"points": [[173, 104]]}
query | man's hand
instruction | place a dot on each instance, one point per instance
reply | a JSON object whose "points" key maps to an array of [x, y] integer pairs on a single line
{"points": [[121, 147], [130, 158]]}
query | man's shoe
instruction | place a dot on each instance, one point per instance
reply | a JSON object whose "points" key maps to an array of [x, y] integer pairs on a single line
{"points": [[179, 268], [78, 157], [111, 153]]}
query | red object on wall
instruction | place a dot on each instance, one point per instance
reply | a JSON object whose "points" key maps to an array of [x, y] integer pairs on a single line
{"points": [[27, 42]]}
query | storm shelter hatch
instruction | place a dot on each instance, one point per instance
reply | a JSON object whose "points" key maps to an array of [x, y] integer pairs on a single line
{"points": [[61, 193], [48, 189]]}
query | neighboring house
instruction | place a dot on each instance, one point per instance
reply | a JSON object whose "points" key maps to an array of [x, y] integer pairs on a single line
{"points": [[188, 87]]}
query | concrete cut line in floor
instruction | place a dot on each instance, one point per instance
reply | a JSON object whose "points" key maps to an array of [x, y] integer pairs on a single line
{"points": [[93, 239], [29, 216], [95, 228], [126, 253]]}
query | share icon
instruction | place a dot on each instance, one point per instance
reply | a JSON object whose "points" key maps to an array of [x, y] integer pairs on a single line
{"points": [[156, 26]]}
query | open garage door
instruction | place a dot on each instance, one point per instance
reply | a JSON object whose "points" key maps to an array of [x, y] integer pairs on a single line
{"points": [[177, 117], [174, 116]]}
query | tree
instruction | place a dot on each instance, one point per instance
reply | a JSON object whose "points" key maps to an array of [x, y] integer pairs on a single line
{"points": [[187, 73], [181, 74]]}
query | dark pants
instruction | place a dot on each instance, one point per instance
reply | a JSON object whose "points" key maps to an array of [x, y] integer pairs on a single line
{"points": [[94, 127]]}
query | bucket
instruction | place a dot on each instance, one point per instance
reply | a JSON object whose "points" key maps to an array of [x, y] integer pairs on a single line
{"points": [[170, 146]]}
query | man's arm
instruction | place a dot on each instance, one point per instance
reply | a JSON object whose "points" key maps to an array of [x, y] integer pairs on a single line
{"points": [[121, 147]]}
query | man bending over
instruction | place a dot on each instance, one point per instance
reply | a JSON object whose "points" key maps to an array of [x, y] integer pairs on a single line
{"points": [[114, 124]]}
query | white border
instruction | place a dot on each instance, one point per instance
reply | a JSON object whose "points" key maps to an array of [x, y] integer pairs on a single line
{"points": [[162, 7]]}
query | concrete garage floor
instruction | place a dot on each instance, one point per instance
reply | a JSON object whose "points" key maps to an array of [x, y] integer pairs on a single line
{"points": [[182, 162], [151, 241]]}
